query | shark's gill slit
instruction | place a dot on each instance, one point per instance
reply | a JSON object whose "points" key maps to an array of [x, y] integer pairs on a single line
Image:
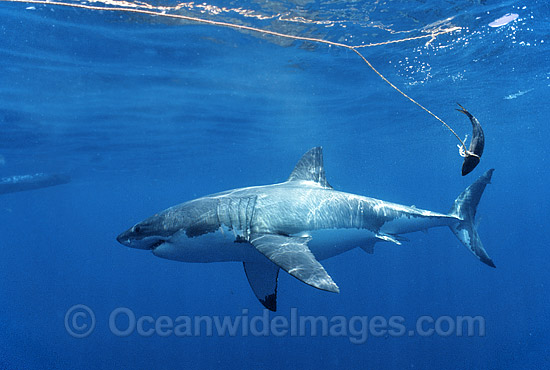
{"points": [[160, 11]]}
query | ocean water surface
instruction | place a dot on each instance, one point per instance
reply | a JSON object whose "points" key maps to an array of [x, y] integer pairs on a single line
{"points": [[145, 111]]}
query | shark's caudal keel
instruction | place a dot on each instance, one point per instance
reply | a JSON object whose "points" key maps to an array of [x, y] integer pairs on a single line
{"points": [[294, 225]]}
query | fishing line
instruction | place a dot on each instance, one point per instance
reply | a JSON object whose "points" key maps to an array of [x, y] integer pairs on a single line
{"points": [[129, 7]]}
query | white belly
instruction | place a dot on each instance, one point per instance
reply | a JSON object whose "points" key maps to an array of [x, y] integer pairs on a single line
{"points": [[221, 246], [331, 242]]}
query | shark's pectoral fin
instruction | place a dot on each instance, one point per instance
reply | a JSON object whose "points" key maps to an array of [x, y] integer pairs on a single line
{"points": [[262, 278], [293, 255]]}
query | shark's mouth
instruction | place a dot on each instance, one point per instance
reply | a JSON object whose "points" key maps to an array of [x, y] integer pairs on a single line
{"points": [[147, 243], [157, 244]]}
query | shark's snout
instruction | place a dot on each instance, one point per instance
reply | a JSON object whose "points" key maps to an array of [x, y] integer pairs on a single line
{"points": [[134, 238], [124, 239], [130, 239]]}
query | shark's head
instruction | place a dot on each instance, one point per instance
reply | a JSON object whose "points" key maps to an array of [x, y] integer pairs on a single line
{"points": [[147, 234], [181, 225]]}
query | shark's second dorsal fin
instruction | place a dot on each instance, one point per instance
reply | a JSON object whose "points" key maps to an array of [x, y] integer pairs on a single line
{"points": [[310, 168]]}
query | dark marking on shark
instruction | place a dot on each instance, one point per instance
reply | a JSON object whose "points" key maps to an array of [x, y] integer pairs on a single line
{"points": [[270, 302], [240, 239]]}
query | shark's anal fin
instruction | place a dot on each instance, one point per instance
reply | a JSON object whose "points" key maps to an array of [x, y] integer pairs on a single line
{"points": [[369, 246], [262, 278], [310, 168], [293, 255]]}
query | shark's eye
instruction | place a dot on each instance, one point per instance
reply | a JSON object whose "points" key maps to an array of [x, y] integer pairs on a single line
{"points": [[137, 229]]}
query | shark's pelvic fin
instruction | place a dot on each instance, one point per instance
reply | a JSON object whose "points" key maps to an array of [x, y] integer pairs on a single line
{"points": [[262, 278], [369, 244], [293, 255], [310, 168], [465, 208], [390, 238]]}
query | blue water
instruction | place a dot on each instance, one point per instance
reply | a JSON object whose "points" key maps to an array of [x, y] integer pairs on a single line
{"points": [[146, 112]]}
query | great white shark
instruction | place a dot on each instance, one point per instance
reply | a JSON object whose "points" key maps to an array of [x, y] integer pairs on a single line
{"points": [[293, 225]]}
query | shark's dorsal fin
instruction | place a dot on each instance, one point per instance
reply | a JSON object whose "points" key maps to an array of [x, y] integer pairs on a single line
{"points": [[310, 168]]}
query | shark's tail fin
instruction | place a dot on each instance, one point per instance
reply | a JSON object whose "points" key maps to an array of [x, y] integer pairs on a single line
{"points": [[464, 208]]}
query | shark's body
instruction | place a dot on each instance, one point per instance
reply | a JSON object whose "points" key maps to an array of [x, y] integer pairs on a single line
{"points": [[293, 225]]}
